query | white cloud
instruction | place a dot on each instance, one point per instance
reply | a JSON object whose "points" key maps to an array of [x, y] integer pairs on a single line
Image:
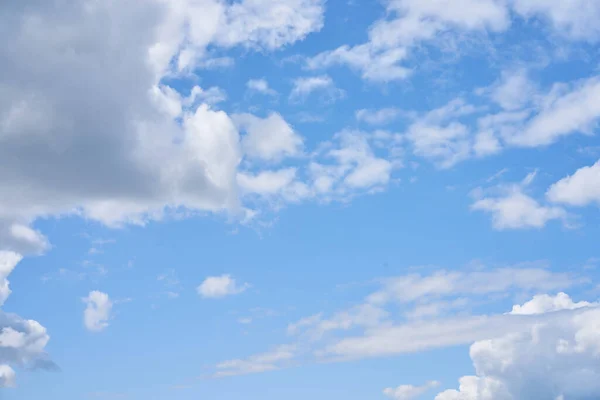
{"points": [[565, 110], [250, 23], [7, 376], [378, 117], [269, 361], [22, 342], [220, 286], [409, 392], [260, 86], [382, 326], [575, 19], [413, 21], [97, 312], [8, 262], [517, 210], [303, 87], [580, 189], [514, 91], [511, 208], [556, 358], [543, 303], [358, 167], [440, 284], [268, 139], [439, 137], [281, 184], [267, 182]]}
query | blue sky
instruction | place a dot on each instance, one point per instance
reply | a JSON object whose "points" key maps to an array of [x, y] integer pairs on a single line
{"points": [[299, 199]]}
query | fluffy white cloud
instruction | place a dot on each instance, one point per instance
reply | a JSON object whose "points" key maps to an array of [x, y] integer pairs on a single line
{"points": [[220, 286], [22, 342], [358, 167], [260, 86], [267, 182], [517, 210], [412, 22], [8, 262], [408, 392], [268, 139], [580, 189], [543, 303], [514, 91], [303, 87], [565, 110], [97, 311], [556, 358], [511, 208], [439, 136]]}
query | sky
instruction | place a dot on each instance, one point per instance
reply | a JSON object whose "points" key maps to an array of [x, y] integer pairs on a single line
{"points": [[267, 199]]}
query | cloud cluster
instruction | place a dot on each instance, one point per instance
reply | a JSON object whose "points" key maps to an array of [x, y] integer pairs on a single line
{"points": [[386, 55], [392, 320], [22, 342], [557, 358]]}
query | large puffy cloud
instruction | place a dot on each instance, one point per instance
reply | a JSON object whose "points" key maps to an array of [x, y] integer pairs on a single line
{"points": [[87, 127], [84, 128], [556, 358], [80, 132]]}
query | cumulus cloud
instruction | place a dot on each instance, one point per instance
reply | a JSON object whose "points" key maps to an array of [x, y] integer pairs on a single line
{"points": [[8, 262], [580, 189], [22, 342], [97, 312], [556, 358], [303, 87], [512, 208], [543, 303], [260, 86], [220, 286], [268, 139]]}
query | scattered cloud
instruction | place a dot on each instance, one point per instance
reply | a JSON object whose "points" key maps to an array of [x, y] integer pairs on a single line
{"points": [[580, 189], [303, 87], [270, 361], [97, 312], [268, 139], [260, 86], [512, 208], [215, 287], [378, 117]]}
